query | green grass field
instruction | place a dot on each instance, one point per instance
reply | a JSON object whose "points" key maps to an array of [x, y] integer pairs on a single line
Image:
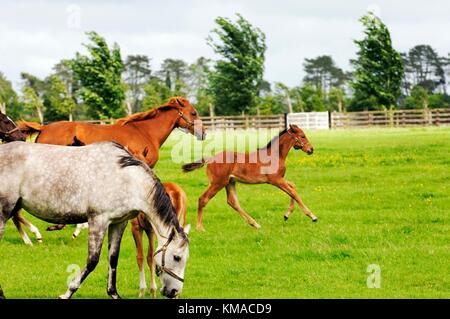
{"points": [[382, 197]]}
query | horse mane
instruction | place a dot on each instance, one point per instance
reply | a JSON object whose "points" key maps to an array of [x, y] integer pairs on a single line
{"points": [[161, 200], [141, 116], [275, 138], [173, 102]]}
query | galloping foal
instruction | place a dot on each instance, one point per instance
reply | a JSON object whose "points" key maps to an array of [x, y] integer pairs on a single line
{"points": [[227, 168], [102, 184]]}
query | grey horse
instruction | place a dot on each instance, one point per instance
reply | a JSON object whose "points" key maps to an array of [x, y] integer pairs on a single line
{"points": [[102, 184]]}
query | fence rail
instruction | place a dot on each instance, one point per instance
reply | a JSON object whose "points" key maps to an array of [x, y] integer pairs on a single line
{"points": [[324, 120], [391, 118]]}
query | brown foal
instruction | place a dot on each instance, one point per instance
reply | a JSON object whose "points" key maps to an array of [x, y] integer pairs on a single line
{"points": [[227, 168]]}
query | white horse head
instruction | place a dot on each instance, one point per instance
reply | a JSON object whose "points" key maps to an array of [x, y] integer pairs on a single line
{"points": [[171, 259]]}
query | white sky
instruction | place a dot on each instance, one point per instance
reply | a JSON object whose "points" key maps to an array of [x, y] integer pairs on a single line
{"points": [[35, 35]]}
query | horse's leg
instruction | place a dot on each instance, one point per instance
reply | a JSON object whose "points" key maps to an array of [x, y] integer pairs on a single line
{"points": [[56, 227], [22, 233], [288, 188], [234, 203], [97, 229], [291, 204], [203, 200], [78, 230], [115, 233], [2, 229], [30, 226], [151, 260], [137, 235]]}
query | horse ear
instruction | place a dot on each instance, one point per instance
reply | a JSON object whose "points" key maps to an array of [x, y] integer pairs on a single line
{"points": [[187, 229], [293, 127], [179, 102]]}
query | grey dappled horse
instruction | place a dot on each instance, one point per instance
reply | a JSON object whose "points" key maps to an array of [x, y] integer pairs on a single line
{"points": [[102, 184]]}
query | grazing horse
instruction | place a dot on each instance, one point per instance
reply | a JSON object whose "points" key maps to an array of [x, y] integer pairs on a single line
{"points": [[102, 184], [9, 132], [139, 225], [227, 168]]}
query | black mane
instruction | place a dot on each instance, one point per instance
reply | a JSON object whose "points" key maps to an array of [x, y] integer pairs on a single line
{"points": [[161, 200]]}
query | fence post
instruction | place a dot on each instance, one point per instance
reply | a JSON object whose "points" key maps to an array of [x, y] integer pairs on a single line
{"points": [[286, 120], [329, 119]]}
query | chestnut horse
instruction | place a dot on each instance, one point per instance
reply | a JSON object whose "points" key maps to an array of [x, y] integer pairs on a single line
{"points": [[227, 168]]}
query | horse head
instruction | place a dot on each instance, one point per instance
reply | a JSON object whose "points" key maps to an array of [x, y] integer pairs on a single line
{"points": [[189, 120], [171, 260], [9, 132], [301, 141]]}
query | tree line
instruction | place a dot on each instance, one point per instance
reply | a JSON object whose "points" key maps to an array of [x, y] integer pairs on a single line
{"points": [[103, 85]]}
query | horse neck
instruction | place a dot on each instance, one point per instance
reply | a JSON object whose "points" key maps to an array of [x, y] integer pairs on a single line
{"points": [[159, 127], [283, 146]]}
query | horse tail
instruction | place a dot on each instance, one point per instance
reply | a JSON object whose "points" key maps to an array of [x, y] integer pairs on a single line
{"points": [[193, 166], [29, 128]]}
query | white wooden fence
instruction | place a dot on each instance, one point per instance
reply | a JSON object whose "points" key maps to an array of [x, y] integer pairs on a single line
{"points": [[309, 120], [326, 120]]}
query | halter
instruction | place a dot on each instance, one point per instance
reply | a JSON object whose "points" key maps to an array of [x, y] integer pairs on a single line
{"points": [[189, 123], [11, 131], [296, 139], [163, 261]]}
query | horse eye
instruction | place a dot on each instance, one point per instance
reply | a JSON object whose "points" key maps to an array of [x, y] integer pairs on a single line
{"points": [[177, 258], [194, 113]]}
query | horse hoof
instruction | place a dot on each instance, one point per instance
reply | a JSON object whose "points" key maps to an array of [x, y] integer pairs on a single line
{"points": [[315, 219], [141, 293], [153, 292], [201, 229], [63, 297], [286, 217], [39, 240], [115, 296], [74, 237], [257, 226]]}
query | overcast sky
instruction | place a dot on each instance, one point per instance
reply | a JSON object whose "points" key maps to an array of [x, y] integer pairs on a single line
{"points": [[34, 35]]}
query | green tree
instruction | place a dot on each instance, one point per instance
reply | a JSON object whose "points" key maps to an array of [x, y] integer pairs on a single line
{"points": [[156, 93], [99, 73], [198, 85], [336, 100], [424, 67], [238, 74], [9, 101], [175, 73], [136, 74], [59, 103], [418, 98], [33, 104], [323, 72], [378, 69], [312, 98]]}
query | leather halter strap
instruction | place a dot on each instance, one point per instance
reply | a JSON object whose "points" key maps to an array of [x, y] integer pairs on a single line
{"points": [[163, 261], [189, 123], [296, 139], [11, 131]]}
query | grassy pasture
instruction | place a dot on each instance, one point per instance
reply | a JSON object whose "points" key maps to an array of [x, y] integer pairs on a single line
{"points": [[382, 197]]}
